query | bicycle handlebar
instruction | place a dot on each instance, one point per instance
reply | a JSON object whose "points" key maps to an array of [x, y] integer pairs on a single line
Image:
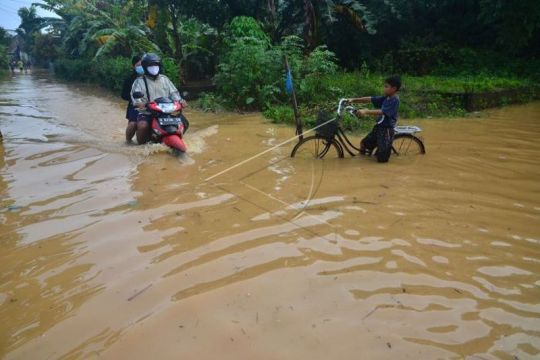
{"points": [[344, 105], [340, 106]]}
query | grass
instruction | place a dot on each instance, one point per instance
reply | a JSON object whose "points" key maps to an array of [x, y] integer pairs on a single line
{"points": [[421, 96], [357, 83], [464, 84]]}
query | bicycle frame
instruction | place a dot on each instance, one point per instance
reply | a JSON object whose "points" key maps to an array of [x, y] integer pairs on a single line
{"points": [[343, 106], [344, 144]]}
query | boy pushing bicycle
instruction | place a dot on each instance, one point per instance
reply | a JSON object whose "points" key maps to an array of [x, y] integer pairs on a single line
{"points": [[387, 107]]}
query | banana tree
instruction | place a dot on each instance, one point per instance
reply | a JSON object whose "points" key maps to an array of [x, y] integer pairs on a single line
{"points": [[189, 40], [303, 17], [98, 27], [198, 41], [308, 17]]}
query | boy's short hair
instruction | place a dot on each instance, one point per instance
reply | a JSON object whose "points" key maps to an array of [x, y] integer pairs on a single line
{"points": [[394, 81], [135, 59]]}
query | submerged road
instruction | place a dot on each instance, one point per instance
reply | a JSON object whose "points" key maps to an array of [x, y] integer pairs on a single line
{"points": [[116, 251]]}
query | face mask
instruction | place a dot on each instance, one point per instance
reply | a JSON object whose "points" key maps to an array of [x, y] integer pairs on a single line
{"points": [[153, 70], [139, 70]]}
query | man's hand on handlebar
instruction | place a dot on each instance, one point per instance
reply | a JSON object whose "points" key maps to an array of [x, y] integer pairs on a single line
{"points": [[345, 105], [361, 112]]}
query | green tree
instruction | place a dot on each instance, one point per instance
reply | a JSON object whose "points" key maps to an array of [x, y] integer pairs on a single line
{"points": [[30, 25], [459, 23], [303, 17], [198, 41], [173, 9], [119, 29], [188, 40], [321, 13], [5, 37], [95, 28], [250, 72], [46, 48], [514, 22]]}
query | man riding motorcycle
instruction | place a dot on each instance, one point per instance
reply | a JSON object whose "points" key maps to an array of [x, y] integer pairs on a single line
{"points": [[152, 85]]}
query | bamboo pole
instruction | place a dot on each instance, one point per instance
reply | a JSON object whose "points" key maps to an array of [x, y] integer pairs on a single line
{"points": [[297, 119]]}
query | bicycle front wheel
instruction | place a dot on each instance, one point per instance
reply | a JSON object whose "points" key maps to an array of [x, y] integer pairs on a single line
{"points": [[407, 145], [316, 147]]}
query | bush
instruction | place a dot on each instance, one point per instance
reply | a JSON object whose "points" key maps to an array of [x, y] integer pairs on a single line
{"points": [[419, 56], [251, 72], [471, 62], [354, 84], [209, 102], [248, 75], [280, 114], [319, 65], [4, 60], [170, 69], [112, 72], [244, 27], [109, 73]]}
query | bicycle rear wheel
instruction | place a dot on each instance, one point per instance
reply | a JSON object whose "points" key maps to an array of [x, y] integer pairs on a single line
{"points": [[407, 145], [316, 147]]}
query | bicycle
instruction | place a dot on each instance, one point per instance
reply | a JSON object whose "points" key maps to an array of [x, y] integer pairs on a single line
{"points": [[330, 138]]}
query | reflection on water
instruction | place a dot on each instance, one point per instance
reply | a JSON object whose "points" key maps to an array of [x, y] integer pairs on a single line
{"points": [[103, 244]]}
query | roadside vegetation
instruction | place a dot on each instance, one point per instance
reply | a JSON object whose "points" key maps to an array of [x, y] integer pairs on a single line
{"points": [[4, 44], [450, 53]]}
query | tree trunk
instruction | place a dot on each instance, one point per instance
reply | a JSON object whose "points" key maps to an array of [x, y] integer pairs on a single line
{"points": [[177, 43], [273, 19], [310, 25]]}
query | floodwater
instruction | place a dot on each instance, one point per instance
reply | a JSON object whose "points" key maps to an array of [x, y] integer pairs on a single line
{"points": [[123, 252]]}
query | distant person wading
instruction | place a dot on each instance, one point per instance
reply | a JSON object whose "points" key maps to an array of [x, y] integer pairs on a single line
{"points": [[131, 113]]}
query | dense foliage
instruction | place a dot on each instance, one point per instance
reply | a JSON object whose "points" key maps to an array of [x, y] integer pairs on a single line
{"points": [[251, 68], [109, 72], [240, 44], [4, 43]]}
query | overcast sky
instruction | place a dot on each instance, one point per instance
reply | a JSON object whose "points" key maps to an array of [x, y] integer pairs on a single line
{"points": [[8, 12]]}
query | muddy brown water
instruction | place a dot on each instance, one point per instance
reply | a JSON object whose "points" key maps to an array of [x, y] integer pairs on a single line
{"points": [[116, 251]]}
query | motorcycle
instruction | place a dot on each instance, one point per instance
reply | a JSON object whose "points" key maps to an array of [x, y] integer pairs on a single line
{"points": [[168, 123]]}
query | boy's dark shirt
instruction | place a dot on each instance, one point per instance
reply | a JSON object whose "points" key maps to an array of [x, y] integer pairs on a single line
{"points": [[126, 89], [389, 106], [126, 94]]}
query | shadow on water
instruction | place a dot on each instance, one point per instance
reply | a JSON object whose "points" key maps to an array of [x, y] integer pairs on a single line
{"points": [[103, 244]]}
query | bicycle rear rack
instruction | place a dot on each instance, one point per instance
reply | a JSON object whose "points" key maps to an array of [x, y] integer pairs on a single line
{"points": [[407, 129]]}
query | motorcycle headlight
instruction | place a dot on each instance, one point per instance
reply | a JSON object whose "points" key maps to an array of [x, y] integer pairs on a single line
{"points": [[166, 108]]}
